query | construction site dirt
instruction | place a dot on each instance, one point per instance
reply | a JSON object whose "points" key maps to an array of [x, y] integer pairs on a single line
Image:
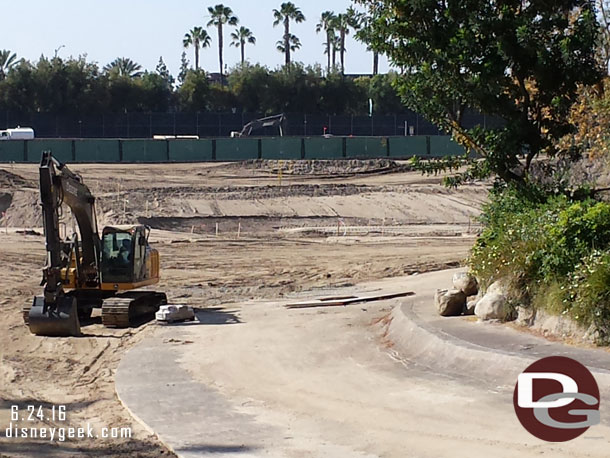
{"points": [[226, 233]]}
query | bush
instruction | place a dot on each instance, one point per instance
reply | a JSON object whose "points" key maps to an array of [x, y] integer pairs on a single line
{"points": [[556, 252]]}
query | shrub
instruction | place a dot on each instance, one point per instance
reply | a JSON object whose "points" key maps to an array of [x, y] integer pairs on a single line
{"points": [[554, 251]]}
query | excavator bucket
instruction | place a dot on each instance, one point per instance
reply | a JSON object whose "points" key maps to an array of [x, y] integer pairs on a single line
{"points": [[58, 321]]}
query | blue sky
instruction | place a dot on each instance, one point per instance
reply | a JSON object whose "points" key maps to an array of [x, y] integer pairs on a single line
{"points": [[146, 29]]}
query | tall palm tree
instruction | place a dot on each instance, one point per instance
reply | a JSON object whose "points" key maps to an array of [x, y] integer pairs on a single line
{"points": [[197, 37], [342, 22], [124, 66], [221, 15], [326, 24], [293, 44], [287, 12], [7, 62], [358, 23], [240, 37]]}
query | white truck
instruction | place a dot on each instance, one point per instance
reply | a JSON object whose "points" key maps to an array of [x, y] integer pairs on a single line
{"points": [[18, 133]]}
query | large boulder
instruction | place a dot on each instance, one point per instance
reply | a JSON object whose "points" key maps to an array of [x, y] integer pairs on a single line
{"points": [[492, 306], [466, 283], [449, 303]]}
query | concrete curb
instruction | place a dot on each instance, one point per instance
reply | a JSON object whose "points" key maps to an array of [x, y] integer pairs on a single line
{"points": [[416, 341]]}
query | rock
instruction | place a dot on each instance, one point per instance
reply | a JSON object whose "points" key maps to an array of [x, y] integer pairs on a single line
{"points": [[449, 303], [491, 307], [465, 283], [525, 316], [471, 304]]}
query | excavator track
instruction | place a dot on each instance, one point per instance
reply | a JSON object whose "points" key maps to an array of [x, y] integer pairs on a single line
{"points": [[131, 309]]}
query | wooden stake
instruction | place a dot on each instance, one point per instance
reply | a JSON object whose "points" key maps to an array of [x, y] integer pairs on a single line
{"points": [[239, 229], [216, 229]]}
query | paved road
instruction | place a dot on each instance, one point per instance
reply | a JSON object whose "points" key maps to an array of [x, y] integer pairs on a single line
{"points": [[260, 380]]}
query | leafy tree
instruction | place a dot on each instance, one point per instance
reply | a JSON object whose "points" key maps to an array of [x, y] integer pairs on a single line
{"points": [[603, 7], [326, 24], [184, 67], [221, 15], [288, 11], [194, 92], [520, 61], [7, 62], [252, 87], [240, 37], [197, 38], [124, 66], [163, 71]]}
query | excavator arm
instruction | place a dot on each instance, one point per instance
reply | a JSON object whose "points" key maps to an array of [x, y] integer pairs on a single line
{"points": [[55, 313]]}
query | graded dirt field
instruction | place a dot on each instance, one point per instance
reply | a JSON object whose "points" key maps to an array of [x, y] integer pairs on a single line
{"points": [[226, 233]]}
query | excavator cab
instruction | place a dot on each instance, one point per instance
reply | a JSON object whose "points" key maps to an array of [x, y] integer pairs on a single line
{"points": [[125, 255]]}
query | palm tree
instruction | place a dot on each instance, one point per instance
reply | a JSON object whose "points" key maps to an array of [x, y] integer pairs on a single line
{"points": [[7, 62], [221, 15], [124, 66], [288, 11], [198, 38], [240, 37], [326, 24], [293, 44], [342, 22], [358, 23]]}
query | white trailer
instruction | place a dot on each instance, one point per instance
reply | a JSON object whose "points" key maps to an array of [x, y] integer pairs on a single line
{"points": [[18, 133]]}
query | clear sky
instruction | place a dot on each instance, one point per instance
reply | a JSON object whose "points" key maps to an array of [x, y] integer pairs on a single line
{"points": [[143, 30]]}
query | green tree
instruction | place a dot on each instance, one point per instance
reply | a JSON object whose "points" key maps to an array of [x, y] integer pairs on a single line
{"points": [[520, 61], [251, 85], [221, 15], [193, 94], [8, 60], [288, 11], [184, 67], [124, 66], [197, 38], [163, 71], [326, 24], [240, 37]]}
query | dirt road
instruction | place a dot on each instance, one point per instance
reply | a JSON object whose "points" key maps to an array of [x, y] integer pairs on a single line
{"points": [[183, 203]]}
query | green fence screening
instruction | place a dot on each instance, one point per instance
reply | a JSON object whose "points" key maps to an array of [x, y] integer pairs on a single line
{"points": [[144, 150], [96, 151], [228, 149], [366, 147], [12, 150], [190, 150], [237, 149], [62, 149], [282, 148], [443, 146], [323, 148], [407, 147]]}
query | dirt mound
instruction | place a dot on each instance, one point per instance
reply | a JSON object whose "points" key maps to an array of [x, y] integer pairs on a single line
{"points": [[338, 167], [9, 179]]}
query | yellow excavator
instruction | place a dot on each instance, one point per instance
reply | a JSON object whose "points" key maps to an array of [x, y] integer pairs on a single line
{"points": [[91, 272]]}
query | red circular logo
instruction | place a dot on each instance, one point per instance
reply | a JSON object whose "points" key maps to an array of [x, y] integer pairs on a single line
{"points": [[556, 399]]}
